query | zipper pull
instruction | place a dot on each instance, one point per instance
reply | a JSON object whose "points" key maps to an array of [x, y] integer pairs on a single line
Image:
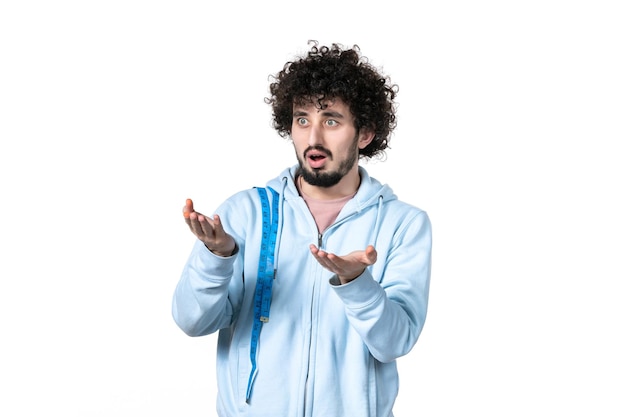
{"points": [[319, 240]]}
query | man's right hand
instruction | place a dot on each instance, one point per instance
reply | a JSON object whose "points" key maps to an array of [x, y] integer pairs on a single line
{"points": [[209, 231]]}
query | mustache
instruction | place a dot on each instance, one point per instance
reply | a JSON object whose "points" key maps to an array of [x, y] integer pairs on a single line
{"points": [[318, 148]]}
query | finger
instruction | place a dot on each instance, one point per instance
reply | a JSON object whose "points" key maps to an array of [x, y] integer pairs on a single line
{"points": [[371, 254], [206, 226], [199, 226], [336, 263], [218, 229], [327, 260], [194, 224], [318, 254], [188, 208]]}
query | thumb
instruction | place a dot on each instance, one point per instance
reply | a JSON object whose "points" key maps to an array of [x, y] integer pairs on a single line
{"points": [[371, 254]]}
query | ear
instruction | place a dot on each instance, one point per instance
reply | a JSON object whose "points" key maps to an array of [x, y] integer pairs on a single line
{"points": [[366, 136]]}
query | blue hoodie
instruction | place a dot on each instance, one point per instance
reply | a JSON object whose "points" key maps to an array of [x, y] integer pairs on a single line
{"points": [[328, 350]]}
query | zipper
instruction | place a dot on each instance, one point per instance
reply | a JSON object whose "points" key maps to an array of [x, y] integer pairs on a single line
{"points": [[306, 405]]}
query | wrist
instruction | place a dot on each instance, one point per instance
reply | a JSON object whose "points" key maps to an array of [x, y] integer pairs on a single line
{"points": [[224, 253], [345, 279]]}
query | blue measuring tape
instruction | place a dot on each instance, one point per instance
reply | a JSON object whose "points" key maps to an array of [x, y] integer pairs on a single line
{"points": [[265, 276]]}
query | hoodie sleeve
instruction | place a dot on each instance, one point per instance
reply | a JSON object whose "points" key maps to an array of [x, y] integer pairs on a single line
{"points": [[389, 313], [201, 303]]}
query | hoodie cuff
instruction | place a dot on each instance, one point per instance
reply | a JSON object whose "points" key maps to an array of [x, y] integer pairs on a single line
{"points": [[210, 264], [358, 293]]}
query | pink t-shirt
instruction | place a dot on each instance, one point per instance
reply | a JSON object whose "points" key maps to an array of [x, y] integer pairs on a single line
{"points": [[324, 211]]}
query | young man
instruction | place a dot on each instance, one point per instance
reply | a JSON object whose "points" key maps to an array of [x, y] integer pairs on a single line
{"points": [[319, 281]]}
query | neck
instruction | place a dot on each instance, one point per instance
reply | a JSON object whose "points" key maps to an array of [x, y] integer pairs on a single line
{"points": [[347, 186]]}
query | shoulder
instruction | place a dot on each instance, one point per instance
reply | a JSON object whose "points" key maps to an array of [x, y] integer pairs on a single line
{"points": [[242, 199], [405, 212]]}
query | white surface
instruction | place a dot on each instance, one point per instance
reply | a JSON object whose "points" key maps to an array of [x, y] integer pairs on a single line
{"points": [[511, 119]]}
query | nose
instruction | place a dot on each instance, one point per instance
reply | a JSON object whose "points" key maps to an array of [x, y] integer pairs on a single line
{"points": [[316, 136]]}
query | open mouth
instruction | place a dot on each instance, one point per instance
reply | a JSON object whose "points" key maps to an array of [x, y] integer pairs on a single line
{"points": [[316, 159]]}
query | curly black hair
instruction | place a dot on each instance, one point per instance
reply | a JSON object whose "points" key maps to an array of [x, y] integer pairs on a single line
{"points": [[336, 72]]}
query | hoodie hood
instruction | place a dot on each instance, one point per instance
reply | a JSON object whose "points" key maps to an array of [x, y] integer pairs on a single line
{"points": [[370, 191]]}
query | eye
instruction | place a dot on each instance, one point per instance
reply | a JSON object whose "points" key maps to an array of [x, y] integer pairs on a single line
{"points": [[301, 121], [331, 122]]}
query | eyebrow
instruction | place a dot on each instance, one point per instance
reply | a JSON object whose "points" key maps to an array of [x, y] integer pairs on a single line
{"points": [[326, 113]]}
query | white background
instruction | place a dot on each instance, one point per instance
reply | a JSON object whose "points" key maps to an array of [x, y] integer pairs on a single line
{"points": [[511, 128]]}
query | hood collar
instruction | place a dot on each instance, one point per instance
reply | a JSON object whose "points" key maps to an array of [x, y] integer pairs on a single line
{"points": [[370, 191]]}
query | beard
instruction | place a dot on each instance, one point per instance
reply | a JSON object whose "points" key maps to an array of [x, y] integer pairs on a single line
{"points": [[319, 178]]}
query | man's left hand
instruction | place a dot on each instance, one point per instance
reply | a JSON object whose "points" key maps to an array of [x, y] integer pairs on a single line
{"points": [[346, 267]]}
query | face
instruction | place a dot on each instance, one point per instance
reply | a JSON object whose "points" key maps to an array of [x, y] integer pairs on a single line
{"points": [[326, 142]]}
